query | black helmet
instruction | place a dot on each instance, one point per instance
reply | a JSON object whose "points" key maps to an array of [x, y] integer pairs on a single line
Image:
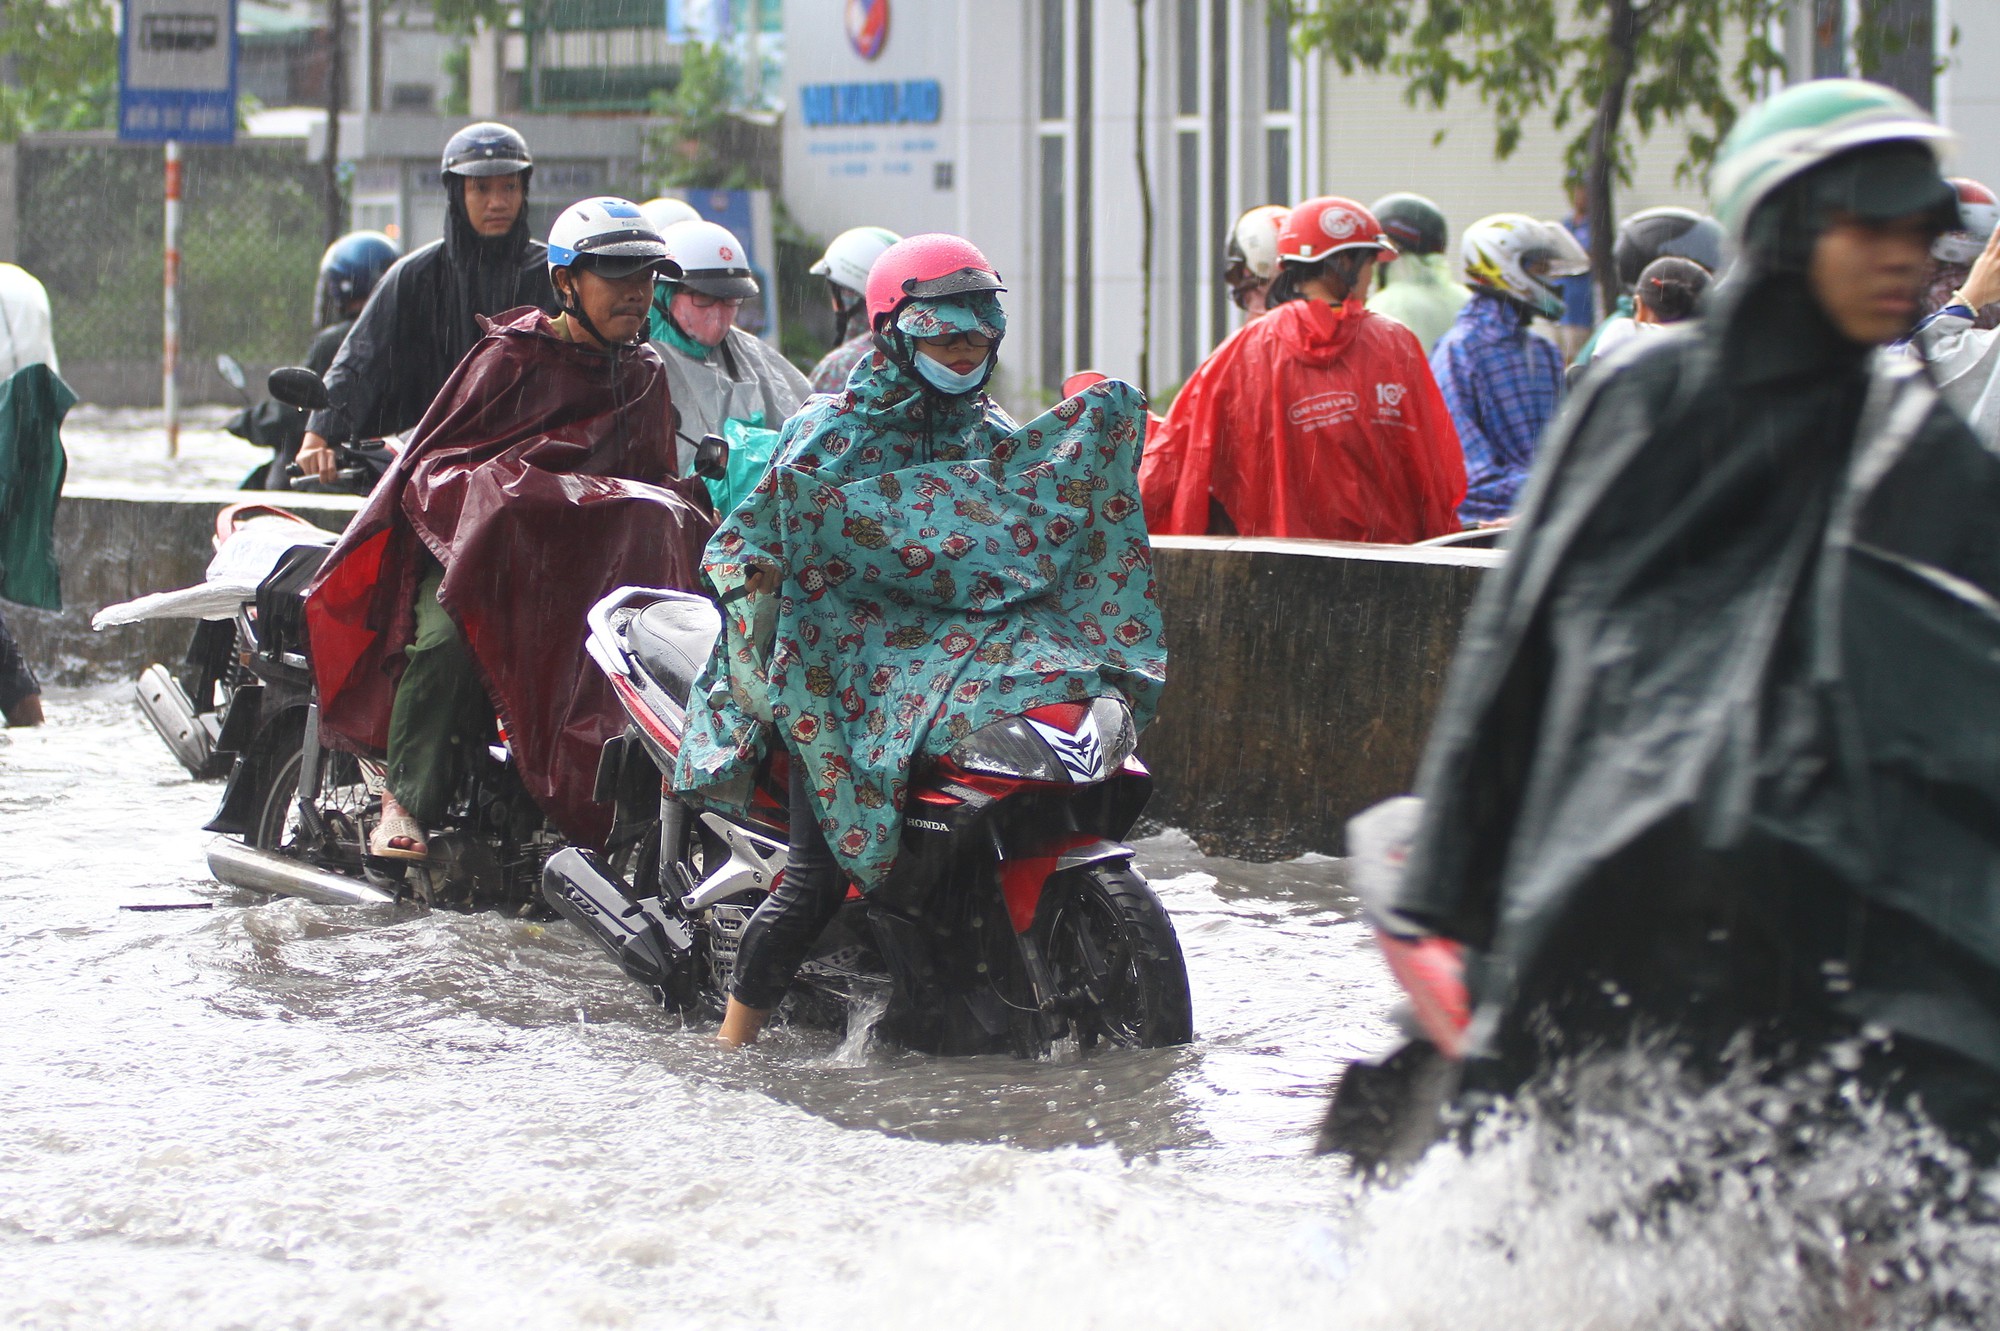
{"points": [[1415, 223], [1666, 233], [486, 149]]}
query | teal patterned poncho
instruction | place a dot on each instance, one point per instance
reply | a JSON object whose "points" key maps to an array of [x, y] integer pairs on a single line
{"points": [[942, 568]]}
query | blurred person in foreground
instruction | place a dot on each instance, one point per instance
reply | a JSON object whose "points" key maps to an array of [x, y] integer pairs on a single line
{"points": [[1718, 752], [424, 314], [542, 478], [1501, 379], [1418, 288], [845, 266], [1319, 419], [33, 402]]}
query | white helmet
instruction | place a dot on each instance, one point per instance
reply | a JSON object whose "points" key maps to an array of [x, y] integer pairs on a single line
{"points": [[1516, 256], [1978, 212], [851, 254], [662, 213], [711, 259], [1253, 241], [610, 236]]}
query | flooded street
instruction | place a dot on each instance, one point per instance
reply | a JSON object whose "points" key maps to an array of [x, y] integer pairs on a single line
{"points": [[262, 1115], [281, 1115]]}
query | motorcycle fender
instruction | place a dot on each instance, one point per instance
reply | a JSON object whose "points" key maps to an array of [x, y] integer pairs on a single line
{"points": [[1022, 879], [251, 769], [239, 723]]}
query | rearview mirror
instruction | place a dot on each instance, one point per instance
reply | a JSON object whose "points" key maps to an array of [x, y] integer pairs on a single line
{"points": [[229, 368], [296, 386], [711, 458]]}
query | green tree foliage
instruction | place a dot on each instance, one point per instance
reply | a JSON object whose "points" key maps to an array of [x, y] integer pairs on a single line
{"points": [[1586, 64], [60, 61], [690, 144]]}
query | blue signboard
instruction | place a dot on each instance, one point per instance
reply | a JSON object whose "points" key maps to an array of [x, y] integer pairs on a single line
{"points": [[177, 71]]}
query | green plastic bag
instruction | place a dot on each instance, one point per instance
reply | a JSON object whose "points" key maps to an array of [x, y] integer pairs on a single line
{"points": [[750, 449]]}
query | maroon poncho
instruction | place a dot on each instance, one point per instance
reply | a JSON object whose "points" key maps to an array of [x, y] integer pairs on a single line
{"points": [[540, 487]]}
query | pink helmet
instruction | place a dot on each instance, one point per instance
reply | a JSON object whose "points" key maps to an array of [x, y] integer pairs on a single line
{"points": [[926, 267]]}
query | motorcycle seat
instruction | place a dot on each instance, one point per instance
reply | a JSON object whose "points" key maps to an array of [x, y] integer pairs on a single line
{"points": [[673, 639]]}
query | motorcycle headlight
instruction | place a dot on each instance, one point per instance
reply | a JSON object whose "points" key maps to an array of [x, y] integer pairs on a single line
{"points": [[1114, 723], [1031, 750], [1009, 748]]}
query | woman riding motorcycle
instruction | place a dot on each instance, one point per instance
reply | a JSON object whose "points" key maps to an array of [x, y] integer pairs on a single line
{"points": [[913, 566], [455, 592]]}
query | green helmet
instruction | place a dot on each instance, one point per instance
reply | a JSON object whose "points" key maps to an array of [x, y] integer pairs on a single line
{"points": [[1805, 125], [1415, 223]]}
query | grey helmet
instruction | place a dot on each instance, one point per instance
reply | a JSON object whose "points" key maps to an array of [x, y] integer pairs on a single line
{"points": [[486, 149]]}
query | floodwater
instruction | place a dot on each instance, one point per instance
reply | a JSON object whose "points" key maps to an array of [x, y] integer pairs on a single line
{"points": [[262, 1114], [128, 446]]}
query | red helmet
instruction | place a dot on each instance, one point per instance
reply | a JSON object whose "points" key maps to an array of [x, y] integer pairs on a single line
{"points": [[1319, 227], [1978, 211], [926, 267]]}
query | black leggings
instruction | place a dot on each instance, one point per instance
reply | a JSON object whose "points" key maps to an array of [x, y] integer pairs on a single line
{"points": [[796, 913], [18, 683]]}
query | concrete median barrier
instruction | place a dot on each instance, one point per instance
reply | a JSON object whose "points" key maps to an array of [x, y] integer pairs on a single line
{"points": [[1301, 684], [1301, 681], [116, 543]]}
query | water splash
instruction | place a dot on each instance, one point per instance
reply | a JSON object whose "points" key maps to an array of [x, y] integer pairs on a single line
{"points": [[1627, 1194]]}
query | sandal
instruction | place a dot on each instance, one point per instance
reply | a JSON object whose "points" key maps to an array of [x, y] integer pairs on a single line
{"points": [[398, 827]]}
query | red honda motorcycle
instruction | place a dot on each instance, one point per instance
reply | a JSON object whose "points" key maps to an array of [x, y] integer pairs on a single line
{"points": [[1013, 919]]}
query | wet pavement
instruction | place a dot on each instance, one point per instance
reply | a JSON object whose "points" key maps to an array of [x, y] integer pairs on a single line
{"points": [[267, 1114]]}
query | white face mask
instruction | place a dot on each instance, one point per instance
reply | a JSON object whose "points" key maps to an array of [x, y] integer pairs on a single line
{"points": [[947, 380]]}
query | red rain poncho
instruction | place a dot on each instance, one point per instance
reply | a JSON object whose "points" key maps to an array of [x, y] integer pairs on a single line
{"points": [[540, 487], [1315, 421]]}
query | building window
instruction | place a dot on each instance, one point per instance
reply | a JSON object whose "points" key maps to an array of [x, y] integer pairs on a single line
{"points": [[1054, 58], [1052, 238], [1193, 266], [1187, 53], [1278, 65], [1278, 164]]}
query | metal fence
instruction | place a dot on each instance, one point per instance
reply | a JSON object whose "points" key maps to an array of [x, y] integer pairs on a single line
{"points": [[90, 217]]}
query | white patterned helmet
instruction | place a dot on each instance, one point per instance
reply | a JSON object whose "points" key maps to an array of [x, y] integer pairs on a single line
{"points": [[1516, 256]]}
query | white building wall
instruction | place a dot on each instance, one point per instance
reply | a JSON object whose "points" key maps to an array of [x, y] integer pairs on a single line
{"points": [[1968, 94], [991, 135], [1376, 143]]}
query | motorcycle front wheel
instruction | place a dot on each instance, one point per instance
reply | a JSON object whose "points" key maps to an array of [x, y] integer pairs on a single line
{"points": [[344, 803], [1114, 959]]}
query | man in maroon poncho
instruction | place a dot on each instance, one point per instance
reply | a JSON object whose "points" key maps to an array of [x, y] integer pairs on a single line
{"points": [[541, 478]]}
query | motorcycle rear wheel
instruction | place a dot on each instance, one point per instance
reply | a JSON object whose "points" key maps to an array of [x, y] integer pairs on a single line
{"points": [[1114, 959]]}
